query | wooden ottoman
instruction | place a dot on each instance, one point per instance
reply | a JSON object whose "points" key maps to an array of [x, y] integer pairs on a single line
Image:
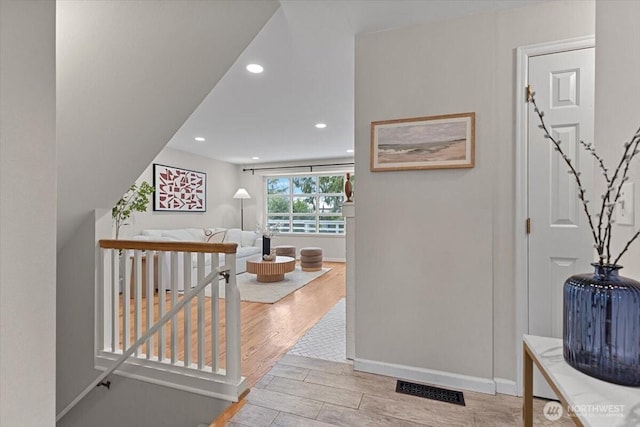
{"points": [[286, 250], [311, 259]]}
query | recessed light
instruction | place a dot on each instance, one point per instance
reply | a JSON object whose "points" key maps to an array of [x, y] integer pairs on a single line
{"points": [[349, 151], [255, 158], [255, 68], [199, 139], [321, 125]]}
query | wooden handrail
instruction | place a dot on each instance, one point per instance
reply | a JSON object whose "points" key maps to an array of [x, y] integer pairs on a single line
{"points": [[150, 245]]}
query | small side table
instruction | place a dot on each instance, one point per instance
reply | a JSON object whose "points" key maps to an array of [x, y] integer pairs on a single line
{"points": [[143, 263]]}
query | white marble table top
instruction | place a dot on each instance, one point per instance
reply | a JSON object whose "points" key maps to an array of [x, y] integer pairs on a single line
{"points": [[596, 403]]}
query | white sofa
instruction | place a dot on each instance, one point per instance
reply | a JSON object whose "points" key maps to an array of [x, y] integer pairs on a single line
{"points": [[249, 246]]}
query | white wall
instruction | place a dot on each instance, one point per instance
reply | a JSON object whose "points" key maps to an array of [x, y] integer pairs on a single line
{"points": [[333, 247], [222, 182], [27, 213], [618, 106], [435, 268], [129, 74]]}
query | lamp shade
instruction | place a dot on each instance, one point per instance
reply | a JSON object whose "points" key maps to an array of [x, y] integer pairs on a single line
{"points": [[241, 194]]}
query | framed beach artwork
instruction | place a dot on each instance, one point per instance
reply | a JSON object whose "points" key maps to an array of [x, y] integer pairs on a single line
{"points": [[179, 190], [435, 142]]}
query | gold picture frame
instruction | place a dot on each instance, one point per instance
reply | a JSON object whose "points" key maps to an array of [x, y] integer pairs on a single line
{"points": [[434, 142]]}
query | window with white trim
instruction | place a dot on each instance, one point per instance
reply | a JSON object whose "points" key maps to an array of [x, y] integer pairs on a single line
{"points": [[306, 203]]}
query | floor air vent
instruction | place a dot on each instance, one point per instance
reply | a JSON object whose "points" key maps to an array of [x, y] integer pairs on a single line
{"points": [[430, 392]]}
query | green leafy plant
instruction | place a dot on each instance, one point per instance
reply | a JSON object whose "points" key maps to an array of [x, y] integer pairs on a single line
{"points": [[135, 199]]}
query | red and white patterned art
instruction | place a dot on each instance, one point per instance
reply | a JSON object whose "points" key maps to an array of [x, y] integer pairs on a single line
{"points": [[178, 189]]}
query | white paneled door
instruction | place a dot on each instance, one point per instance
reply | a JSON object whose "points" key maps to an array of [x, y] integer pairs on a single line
{"points": [[560, 242]]}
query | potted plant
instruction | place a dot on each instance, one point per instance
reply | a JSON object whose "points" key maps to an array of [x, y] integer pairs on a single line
{"points": [[601, 319], [136, 199]]}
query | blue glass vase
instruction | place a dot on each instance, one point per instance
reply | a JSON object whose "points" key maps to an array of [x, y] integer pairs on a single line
{"points": [[601, 327]]}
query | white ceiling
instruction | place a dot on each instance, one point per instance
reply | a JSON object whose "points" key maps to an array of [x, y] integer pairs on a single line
{"points": [[307, 51]]}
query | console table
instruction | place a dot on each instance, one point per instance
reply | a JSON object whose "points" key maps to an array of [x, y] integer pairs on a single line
{"points": [[589, 401]]}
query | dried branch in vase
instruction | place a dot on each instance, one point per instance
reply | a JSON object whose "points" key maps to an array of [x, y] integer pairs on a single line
{"points": [[601, 229], [269, 230]]}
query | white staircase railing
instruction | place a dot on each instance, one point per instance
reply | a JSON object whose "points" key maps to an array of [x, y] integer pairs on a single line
{"points": [[158, 317]]}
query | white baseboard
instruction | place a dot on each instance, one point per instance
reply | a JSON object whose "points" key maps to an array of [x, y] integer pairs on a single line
{"points": [[430, 376], [505, 386], [335, 259]]}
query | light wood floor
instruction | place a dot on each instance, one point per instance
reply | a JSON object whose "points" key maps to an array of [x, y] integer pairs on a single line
{"points": [[305, 392]]}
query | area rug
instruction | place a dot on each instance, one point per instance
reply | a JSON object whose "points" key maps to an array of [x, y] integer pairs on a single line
{"points": [[327, 339], [253, 291]]}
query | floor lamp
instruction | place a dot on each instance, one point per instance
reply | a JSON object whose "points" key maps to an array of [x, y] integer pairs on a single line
{"points": [[241, 194]]}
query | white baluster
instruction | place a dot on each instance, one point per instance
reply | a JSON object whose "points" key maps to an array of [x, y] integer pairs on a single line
{"points": [[103, 310], [200, 309], [125, 266], [215, 315], [187, 309], [174, 300], [115, 300], [137, 310], [232, 317], [151, 280], [162, 296]]}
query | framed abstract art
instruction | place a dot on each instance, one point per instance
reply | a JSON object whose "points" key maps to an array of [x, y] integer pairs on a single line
{"points": [[179, 190]]}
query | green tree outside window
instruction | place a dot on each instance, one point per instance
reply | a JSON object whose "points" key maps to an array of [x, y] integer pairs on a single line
{"points": [[306, 203]]}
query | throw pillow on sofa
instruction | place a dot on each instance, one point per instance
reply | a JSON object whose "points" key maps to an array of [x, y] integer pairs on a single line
{"points": [[214, 236]]}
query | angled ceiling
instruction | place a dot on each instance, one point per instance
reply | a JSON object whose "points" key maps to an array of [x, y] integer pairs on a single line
{"points": [[128, 74], [307, 51]]}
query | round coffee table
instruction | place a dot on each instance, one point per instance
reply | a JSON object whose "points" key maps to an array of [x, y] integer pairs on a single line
{"points": [[271, 271]]}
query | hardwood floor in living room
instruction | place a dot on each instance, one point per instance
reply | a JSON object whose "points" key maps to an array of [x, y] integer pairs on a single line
{"points": [[270, 330]]}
